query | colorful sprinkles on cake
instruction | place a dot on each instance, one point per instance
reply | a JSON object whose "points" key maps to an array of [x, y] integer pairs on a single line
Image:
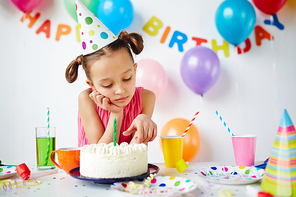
{"points": [[94, 34]]}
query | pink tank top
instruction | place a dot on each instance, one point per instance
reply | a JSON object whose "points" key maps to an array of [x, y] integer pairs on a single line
{"points": [[130, 112]]}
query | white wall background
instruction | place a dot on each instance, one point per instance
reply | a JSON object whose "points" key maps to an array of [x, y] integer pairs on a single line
{"points": [[251, 93]]}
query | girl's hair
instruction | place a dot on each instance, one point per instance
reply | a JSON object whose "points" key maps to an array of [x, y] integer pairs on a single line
{"points": [[132, 41]]}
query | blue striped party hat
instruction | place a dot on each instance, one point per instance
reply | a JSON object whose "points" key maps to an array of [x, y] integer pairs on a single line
{"points": [[280, 173]]}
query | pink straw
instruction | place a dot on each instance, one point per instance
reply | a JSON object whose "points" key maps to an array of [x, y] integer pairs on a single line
{"points": [[190, 124]]}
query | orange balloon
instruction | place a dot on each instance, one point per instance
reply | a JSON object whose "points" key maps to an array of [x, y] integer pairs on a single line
{"points": [[191, 144]]}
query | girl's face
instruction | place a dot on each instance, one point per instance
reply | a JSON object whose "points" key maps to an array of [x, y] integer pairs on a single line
{"points": [[114, 76]]}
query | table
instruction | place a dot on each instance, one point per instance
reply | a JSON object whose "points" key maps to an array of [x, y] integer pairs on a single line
{"points": [[61, 184]]}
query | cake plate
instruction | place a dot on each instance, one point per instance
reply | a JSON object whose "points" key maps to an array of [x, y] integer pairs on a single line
{"points": [[152, 169]]}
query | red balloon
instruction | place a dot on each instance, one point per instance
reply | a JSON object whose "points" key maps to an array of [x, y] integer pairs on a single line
{"points": [[269, 6], [26, 5]]}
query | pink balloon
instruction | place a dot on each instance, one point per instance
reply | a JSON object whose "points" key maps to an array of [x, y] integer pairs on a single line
{"points": [[152, 76], [26, 5]]}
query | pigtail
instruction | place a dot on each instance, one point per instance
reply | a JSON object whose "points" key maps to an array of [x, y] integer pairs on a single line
{"points": [[134, 40], [71, 73]]}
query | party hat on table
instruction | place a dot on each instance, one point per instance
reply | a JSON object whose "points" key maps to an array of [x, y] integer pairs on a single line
{"points": [[280, 172], [94, 34]]}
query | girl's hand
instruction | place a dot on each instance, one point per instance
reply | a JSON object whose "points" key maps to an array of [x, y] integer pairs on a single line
{"points": [[144, 128], [104, 102]]}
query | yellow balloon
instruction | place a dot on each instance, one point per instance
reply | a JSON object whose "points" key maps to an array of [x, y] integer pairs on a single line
{"points": [[191, 144]]}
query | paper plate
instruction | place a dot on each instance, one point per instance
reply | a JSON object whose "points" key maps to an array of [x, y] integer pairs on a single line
{"points": [[160, 186], [232, 175], [7, 171]]}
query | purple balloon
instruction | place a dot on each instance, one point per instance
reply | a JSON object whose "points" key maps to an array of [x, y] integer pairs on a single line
{"points": [[200, 69]]}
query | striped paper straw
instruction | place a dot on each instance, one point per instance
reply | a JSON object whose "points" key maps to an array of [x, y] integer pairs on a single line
{"points": [[224, 123], [190, 124], [48, 137]]}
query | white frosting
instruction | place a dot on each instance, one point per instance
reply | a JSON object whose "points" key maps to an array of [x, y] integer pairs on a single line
{"points": [[89, 148], [140, 148], [111, 145], [128, 150], [109, 161], [101, 144], [123, 144], [102, 150], [115, 150]]}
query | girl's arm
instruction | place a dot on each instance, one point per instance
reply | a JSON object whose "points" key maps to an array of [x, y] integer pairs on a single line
{"points": [[144, 129], [148, 102], [91, 122]]}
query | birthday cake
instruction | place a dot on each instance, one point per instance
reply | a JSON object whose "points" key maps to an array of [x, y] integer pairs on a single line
{"points": [[109, 161]]}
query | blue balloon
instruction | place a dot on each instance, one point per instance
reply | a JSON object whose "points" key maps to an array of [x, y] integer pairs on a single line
{"points": [[115, 14], [235, 20]]}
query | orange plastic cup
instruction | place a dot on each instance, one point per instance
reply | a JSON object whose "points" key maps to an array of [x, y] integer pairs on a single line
{"points": [[172, 147], [69, 158]]}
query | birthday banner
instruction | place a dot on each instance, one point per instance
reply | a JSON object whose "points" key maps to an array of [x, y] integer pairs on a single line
{"points": [[154, 27]]}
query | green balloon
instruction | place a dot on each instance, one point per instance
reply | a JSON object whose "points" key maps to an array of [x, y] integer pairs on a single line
{"points": [[90, 4]]}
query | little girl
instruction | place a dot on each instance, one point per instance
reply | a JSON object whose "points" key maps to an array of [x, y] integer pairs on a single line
{"points": [[111, 75]]}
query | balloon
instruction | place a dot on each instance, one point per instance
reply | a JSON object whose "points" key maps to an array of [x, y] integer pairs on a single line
{"points": [[269, 6], [235, 20], [115, 14], [200, 69], [152, 76], [26, 5], [191, 143], [71, 7]]}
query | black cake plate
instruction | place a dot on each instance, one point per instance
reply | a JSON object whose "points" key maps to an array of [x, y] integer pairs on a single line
{"points": [[152, 169]]}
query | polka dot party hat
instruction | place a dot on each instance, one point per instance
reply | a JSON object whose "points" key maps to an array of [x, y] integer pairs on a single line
{"points": [[93, 33]]}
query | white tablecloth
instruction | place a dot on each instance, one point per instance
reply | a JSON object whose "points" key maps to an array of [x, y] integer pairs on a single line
{"points": [[62, 184]]}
